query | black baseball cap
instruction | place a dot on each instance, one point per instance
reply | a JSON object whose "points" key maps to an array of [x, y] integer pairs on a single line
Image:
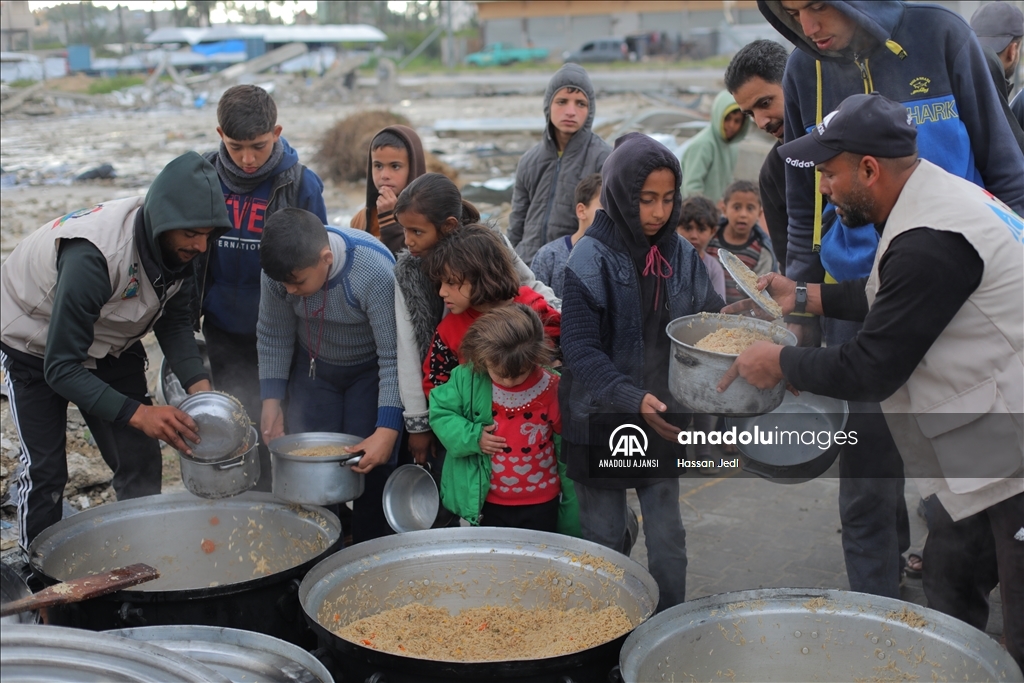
{"points": [[872, 125], [996, 24]]}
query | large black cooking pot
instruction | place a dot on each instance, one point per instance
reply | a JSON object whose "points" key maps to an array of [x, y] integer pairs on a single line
{"points": [[466, 567], [234, 562]]}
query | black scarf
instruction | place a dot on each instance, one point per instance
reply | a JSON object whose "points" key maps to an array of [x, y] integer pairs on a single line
{"points": [[237, 180]]}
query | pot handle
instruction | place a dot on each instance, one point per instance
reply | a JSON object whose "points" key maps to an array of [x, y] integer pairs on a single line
{"points": [[229, 465], [131, 615], [615, 675], [354, 460]]}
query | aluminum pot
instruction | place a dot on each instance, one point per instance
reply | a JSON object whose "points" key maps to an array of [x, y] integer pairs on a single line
{"points": [[468, 567], [233, 562], [222, 424], [241, 656], [13, 587], [223, 478], [315, 480], [782, 461], [412, 500], [807, 634], [695, 373], [51, 654]]}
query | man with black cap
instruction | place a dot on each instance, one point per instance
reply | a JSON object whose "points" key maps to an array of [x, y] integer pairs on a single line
{"points": [[1000, 30], [942, 346]]}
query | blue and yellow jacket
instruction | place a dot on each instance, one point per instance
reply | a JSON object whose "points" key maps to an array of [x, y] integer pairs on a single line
{"points": [[924, 56]]}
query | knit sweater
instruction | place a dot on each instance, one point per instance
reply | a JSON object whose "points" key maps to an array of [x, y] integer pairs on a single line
{"points": [[358, 320], [549, 262]]}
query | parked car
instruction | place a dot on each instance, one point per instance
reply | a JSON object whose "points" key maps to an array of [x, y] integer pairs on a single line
{"points": [[602, 50], [502, 54]]}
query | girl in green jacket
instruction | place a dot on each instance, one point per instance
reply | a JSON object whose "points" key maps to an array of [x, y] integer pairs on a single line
{"points": [[498, 418]]}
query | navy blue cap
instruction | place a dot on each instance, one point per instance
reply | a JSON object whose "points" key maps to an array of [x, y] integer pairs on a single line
{"points": [[872, 125]]}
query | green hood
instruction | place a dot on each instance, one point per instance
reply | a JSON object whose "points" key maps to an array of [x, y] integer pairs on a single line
{"points": [[707, 159], [185, 194], [724, 105]]}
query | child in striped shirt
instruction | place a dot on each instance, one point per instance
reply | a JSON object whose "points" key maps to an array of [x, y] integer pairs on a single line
{"points": [[741, 235]]}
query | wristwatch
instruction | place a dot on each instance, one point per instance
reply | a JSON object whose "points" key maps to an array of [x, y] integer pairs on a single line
{"points": [[801, 298]]}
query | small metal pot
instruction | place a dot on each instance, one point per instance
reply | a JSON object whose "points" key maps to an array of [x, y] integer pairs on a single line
{"points": [[412, 500], [315, 480], [226, 477], [694, 373]]}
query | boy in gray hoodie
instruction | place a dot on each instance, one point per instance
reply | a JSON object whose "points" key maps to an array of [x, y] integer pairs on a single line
{"points": [[542, 202]]}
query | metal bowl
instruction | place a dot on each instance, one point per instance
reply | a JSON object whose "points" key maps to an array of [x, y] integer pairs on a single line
{"points": [[239, 655], [784, 461], [807, 634], [222, 423], [694, 373]]}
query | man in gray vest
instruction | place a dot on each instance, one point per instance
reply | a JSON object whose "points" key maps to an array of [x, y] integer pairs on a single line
{"points": [[76, 298], [942, 346]]}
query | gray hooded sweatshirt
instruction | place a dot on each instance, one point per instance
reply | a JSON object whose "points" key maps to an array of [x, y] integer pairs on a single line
{"points": [[543, 201]]}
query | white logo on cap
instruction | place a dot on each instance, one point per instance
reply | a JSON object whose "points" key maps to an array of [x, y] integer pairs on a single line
{"points": [[799, 164], [825, 121]]}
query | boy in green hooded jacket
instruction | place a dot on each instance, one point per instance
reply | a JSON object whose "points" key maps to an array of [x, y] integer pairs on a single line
{"points": [[710, 157]]}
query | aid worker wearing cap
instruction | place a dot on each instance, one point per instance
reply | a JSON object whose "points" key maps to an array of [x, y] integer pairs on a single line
{"points": [[942, 345]]}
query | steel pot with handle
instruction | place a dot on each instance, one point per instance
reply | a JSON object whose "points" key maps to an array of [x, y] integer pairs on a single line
{"points": [[412, 500], [315, 479], [223, 478], [694, 373]]}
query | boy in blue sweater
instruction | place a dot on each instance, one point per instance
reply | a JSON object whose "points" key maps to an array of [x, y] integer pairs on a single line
{"points": [[326, 340], [626, 279], [259, 174]]}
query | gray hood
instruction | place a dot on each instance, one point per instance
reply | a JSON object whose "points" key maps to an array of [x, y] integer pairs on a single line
{"points": [[575, 76]]}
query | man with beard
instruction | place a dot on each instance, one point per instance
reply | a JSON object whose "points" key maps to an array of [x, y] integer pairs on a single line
{"points": [[1000, 30], [942, 345], [76, 298], [754, 78]]}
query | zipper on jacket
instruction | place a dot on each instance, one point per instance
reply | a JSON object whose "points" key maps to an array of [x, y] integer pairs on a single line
{"points": [[865, 74], [551, 201]]}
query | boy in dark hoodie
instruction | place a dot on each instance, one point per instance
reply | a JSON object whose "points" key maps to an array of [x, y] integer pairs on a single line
{"points": [[260, 174], [395, 159], [543, 209], [626, 279], [76, 298], [927, 58]]}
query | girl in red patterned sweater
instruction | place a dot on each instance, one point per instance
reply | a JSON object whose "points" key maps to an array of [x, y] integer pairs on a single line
{"points": [[502, 467], [475, 275]]}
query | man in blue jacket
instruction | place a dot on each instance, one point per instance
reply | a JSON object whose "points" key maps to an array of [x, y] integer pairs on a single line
{"points": [[927, 58], [260, 174]]}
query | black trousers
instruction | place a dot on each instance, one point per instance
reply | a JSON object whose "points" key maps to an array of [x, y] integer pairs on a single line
{"points": [[234, 364], [964, 560], [40, 416], [539, 517]]}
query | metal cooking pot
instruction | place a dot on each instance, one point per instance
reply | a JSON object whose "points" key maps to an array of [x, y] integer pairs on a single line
{"points": [[51, 654], [468, 567], [807, 634], [13, 587], [694, 373], [412, 500], [232, 562], [240, 655], [223, 478], [783, 461], [169, 391], [315, 480]]}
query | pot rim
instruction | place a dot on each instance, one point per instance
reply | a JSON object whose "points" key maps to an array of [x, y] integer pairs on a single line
{"points": [[316, 438], [173, 500], [790, 338]]}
